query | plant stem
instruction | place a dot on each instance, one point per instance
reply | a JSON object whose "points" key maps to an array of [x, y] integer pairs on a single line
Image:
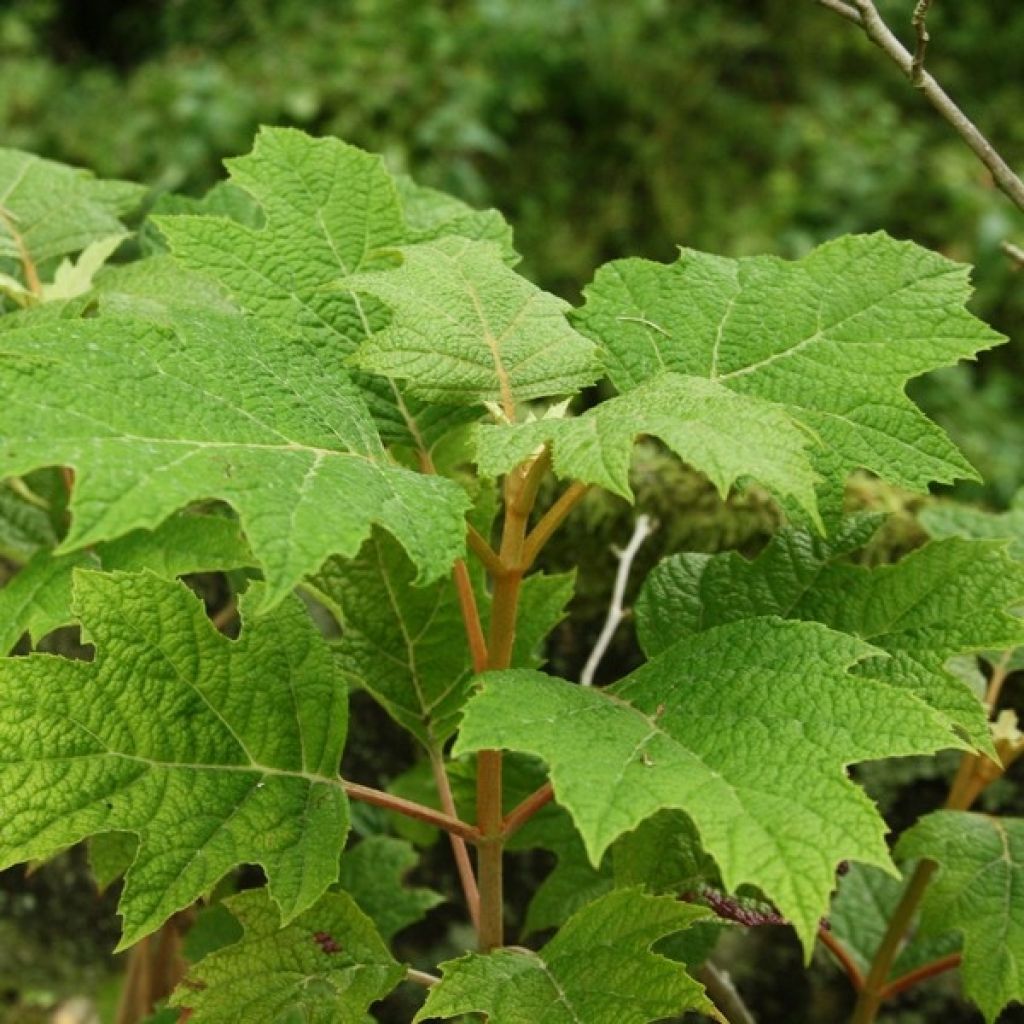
{"points": [[551, 520], [421, 977], [925, 971], [842, 954], [526, 809], [410, 809], [470, 616], [459, 850], [723, 993], [487, 555]]}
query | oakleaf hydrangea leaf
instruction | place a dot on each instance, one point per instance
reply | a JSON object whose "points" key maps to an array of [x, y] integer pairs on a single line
{"points": [[950, 520], [406, 646], [832, 338], [747, 727], [945, 599], [49, 210], [326, 966], [213, 752], [976, 892], [466, 328], [860, 915], [328, 209], [373, 873], [37, 600], [215, 407], [598, 969], [724, 435], [25, 523]]}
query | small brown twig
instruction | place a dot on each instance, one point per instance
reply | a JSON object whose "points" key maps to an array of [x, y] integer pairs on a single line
{"points": [[923, 39], [723, 993], [551, 520], [421, 977], [842, 954], [922, 973], [526, 809], [462, 862], [1015, 252], [411, 809]]}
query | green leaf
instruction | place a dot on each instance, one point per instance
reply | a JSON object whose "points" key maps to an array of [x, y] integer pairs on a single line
{"points": [[49, 210], [74, 278], [282, 434], [213, 752], [329, 208], [25, 523], [155, 288], [599, 968], [724, 435], [731, 727], [111, 854], [831, 338], [948, 598], [373, 873], [953, 520], [406, 645], [38, 599], [981, 871], [284, 975], [466, 328], [860, 915]]}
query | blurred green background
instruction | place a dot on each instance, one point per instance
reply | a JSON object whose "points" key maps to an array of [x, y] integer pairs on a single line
{"points": [[601, 128]]}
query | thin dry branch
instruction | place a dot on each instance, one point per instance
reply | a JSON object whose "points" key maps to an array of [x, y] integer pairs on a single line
{"points": [[865, 14], [918, 20]]}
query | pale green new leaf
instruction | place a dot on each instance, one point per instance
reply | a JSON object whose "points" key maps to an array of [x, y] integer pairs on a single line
{"points": [[74, 277], [283, 975], [948, 598], [406, 645], [213, 752], [977, 893], [726, 436], [466, 328], [49, 210], [329, 208], [747, 727], [832, 338], [38, 598], [373, 874], [215, 407], [598, 969]]}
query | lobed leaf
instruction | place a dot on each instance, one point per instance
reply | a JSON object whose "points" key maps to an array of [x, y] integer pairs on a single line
{"points": [[948, 598], [213, 752], [981, 870], [599, 968], [747, 727], [283, 436], [325, 966]]}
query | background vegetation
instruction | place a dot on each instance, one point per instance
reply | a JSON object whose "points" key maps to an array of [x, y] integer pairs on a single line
{"points": [[600, 128]]}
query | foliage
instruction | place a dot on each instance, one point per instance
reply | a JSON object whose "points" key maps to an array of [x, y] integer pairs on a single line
{"points": [[325, 379]]}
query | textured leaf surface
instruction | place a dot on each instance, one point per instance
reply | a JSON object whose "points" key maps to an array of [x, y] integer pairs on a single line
{"points": [[949, 520], [49, 210], [373, 874], [833, 338], [465, 328], [948, 598], [274, 974], [38, 599], [215, 406], [724, 435], [746, 727], [407, 645], [977, 892], [25, 525], [599, 969], [328, 209], [213, 752], [860, 915]]}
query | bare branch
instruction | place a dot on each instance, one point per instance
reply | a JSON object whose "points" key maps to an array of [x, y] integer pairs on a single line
{"points": [[881, 35], [1015, 252], [923, 39], [616, 613], [723, 993]]}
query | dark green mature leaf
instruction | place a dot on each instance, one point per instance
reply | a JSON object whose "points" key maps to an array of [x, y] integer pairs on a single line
{"points": [[215, 406], [948, 598], [25, 523], [406, 645], [746, 727], [466, 328], [599, 969], [213, 752], [831, 338], [49, 210], [977, 893], [275, 974], [373, 874], [38, 599]]}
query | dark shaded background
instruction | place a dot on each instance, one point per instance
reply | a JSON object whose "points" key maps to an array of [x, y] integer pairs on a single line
{"points": [[601, 128]]}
